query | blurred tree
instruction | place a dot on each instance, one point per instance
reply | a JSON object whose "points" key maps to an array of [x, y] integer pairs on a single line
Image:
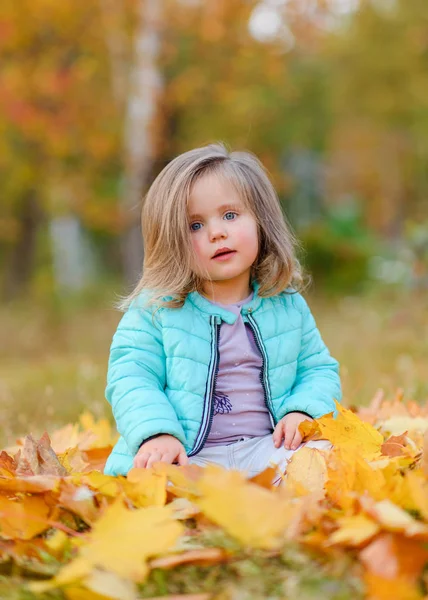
{"points": [[57, 128], [379, 88], [95, 98], [144, 90]]}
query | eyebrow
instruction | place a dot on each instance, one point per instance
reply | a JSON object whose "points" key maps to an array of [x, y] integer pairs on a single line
{"points": [[220, 209]]}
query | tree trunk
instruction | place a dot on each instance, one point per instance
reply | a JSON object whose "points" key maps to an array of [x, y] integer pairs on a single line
{"points": [[19, 268], [144, 88]]}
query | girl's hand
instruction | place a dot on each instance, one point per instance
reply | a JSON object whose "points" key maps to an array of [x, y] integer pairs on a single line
{"points": [[288, 429], [164, 448]]}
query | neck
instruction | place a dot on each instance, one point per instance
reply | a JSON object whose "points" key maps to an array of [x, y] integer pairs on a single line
{"points": [[227, 292]]}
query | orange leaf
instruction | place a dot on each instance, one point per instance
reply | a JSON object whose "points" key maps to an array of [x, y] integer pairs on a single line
{"points": [[394, 445], [23, 518], [393, 556]]}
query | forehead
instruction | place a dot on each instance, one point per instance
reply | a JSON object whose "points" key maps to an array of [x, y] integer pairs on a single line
{"points": [[210, 191]]}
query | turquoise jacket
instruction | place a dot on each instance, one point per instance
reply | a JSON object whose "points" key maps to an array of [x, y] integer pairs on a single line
{"points": [[163, 366]]}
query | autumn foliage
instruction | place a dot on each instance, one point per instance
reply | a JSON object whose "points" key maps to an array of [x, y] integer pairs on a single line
{"points": [[95, 536]]}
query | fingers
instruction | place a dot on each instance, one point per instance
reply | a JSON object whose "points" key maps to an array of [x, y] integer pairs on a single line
{"points": [[297, 440], [155, 456], [140, 461], [183, 459], [288, 437], [278, 434], [147, 459]]}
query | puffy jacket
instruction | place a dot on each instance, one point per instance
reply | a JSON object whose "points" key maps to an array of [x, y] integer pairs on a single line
{"points": [[163, 366]]}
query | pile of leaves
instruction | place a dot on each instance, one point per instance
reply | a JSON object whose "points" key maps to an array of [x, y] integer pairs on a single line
{"points": [[347, 523]]}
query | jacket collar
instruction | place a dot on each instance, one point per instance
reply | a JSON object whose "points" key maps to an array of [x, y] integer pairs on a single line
{"points": [[229, 317]]}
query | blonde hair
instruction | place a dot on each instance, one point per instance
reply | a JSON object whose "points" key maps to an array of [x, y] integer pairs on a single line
{"points": [[168, 270]]}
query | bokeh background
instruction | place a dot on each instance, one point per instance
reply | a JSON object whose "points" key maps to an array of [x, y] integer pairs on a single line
{"points": [[96, 96]]}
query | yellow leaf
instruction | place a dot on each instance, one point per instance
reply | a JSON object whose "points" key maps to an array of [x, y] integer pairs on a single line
{"points": [[393, 517], [73, 460], [400, 424], [57, 542], [109, 585], [77, 592], [308, 467], [418, 489], [145, 487], [351, 433], [121, 541], [354, 530], [105, 484], [102, 429], [349, 476], [253, 515]]}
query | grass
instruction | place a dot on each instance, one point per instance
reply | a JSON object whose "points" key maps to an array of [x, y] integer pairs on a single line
{"points": [[53, 359]]}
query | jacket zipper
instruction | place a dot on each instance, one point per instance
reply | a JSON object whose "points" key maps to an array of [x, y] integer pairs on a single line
{"points": [[263, 372], [207, 417]]}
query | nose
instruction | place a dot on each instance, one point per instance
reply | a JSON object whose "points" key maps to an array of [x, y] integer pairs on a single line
{"points": [[217, 231]]}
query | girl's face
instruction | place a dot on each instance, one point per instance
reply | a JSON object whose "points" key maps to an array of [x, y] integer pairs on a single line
{"points": [[219, 220]]}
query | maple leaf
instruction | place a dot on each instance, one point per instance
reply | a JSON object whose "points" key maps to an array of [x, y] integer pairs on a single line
{"points": [[38, 458], [394, 445], [251, 514], [145, 487], [349, 476], [7, 464], [308, 468], [120, 542], [393, 557], [354, 530], [23, 518], [350, 433], [394, 518]]}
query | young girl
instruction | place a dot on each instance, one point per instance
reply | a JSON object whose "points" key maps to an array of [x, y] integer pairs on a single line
{"points": [[217, 358]]}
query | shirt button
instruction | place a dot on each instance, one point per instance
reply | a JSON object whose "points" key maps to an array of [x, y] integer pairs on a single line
{"points": [[250, 309]]}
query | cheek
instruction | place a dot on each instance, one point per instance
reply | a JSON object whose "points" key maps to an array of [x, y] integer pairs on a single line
{"points": [[249, 237], [197, 245]]}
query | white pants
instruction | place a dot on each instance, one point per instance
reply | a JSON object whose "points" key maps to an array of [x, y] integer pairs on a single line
{"points": [[252, 455]]}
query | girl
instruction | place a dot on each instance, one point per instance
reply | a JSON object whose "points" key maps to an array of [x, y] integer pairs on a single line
{"points": [[217, 358]]}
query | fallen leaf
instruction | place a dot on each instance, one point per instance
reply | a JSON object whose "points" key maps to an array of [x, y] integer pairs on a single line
{"points": [[350, 433], [38, 458], [145, 487], [393, 517], [145, 531], [354, 530], [380, 588], [23, 518], [308, 468], [393, 556], [251, 514], [398, 425], [394, 445]]}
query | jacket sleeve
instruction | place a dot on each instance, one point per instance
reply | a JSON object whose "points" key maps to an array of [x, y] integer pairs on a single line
{"points": [[317, 382], [136, 380]]}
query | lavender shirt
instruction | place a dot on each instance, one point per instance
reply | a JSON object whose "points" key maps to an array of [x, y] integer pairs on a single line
{"points": [[239, 407]]}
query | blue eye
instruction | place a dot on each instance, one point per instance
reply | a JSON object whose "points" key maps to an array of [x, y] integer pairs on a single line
{"points": [[194, 225], [230, 213]]}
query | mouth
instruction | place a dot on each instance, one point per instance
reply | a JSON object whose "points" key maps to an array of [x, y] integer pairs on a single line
{"points": [[223, 253]]}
